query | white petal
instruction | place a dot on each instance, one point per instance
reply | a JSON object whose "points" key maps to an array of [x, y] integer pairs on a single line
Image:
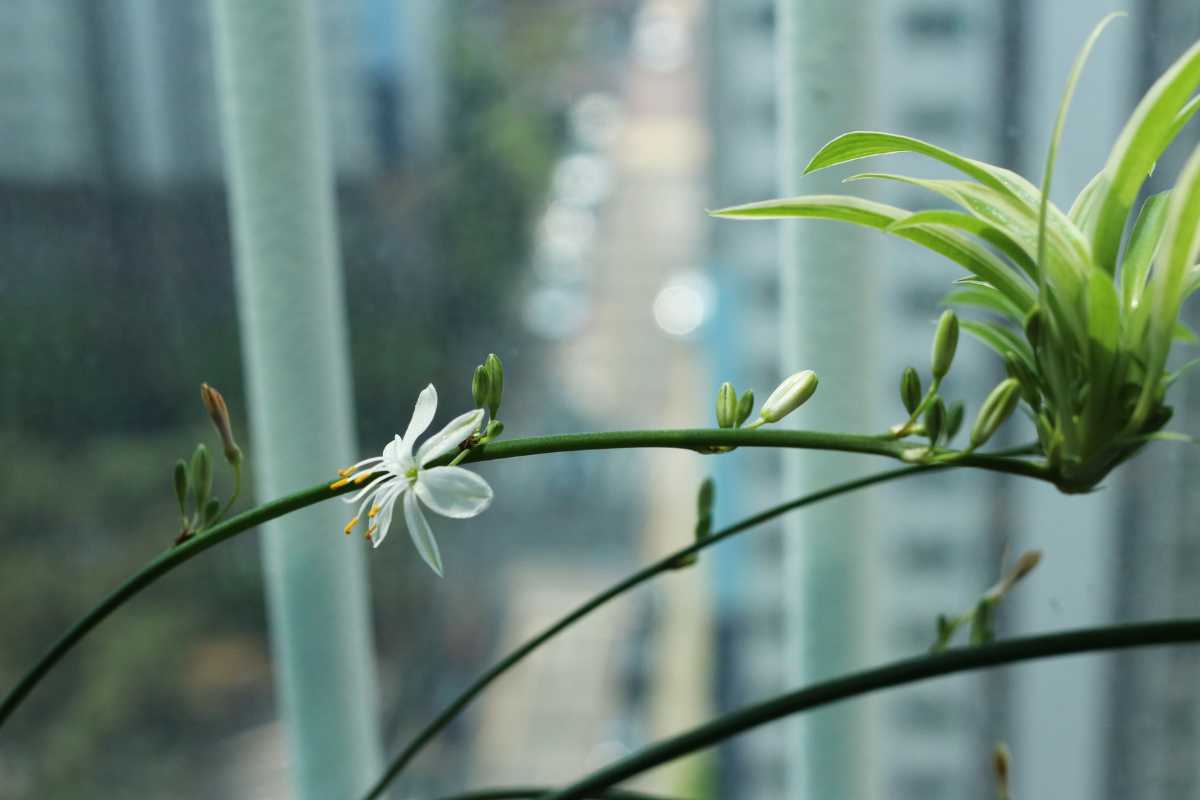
{"points": [[449, 437], [392, 450], [387, 504], [422, 415], [422, 536], [453, 491]]}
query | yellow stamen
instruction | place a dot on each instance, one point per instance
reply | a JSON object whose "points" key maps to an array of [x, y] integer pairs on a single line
{"points": [[373, 512], [347, 472], [371, 530], [339, 484], [362, 478], [350, 525]]}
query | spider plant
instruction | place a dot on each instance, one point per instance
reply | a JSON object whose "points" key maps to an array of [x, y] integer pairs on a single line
{"points": [[1083, 304]]}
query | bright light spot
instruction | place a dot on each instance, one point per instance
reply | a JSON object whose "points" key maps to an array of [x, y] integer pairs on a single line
{"points": [[596, 120], [683, 304], [660, 38], [582, 179]]}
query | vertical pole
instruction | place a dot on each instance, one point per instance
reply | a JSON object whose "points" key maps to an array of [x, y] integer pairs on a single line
{"points": [[293, 330], [824, 78]]}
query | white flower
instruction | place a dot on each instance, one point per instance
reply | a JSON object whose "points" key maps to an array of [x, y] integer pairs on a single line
{"points": [[399, 475]]}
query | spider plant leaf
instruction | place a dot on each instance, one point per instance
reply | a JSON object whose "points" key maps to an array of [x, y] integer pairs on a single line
{"points": [[1002, 339], [987, 298], [1083, 210], [1068, 246], [1183, 118], [1184, 333], [976, 258], [863, 144], [1143, 139], [1059, 122], [1169, 279], [1143, 244], [991, 234], [1104, 333], [1179, 373]]}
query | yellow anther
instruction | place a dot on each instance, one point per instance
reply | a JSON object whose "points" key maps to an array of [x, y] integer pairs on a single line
{"points": [[350, 525], [339, 484], [347, 472], [361, 479], [370, 531], [373, 512]]}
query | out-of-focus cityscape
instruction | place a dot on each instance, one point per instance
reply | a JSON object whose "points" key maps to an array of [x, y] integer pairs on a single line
{"points": [[530, 178]]}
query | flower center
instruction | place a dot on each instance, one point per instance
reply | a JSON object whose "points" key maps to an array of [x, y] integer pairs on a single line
{"points": [[411, 475]]}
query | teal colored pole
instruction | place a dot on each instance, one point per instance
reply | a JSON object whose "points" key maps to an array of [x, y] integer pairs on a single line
{"points": [[824, 82], [293, 331]]}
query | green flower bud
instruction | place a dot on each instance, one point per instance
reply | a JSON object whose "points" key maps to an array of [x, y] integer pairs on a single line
{"points": [[745, 406], [1015, 368], [214, 404], [954, 421], [727, 406], [790, 395], [1033, 327], [480, 387], [910, 390], [211, 509], [706, 496], [935, 420], [945, 342], [495, 372], [998, 406], [494, 429], [181, 485], [982, 629], [201, 475]]}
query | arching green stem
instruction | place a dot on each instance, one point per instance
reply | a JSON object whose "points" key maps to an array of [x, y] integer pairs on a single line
{"points": [[897, 673], [522, 792], [666, 564], [703, 440]]}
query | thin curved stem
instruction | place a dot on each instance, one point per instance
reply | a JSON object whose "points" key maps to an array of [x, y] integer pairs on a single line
{"points": [[666, 564], [702, 440], [897, 673], [523, 792]]}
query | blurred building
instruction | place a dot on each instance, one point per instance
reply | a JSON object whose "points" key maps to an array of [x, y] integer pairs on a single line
{"points": [[982, 79], [125, 88]]}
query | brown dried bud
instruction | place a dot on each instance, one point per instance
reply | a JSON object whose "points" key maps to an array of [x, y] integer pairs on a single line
{"points": [[214, 404]]}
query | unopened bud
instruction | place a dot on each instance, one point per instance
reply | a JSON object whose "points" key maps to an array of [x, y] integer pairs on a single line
{"points": [[935, 420], [706, 496], [1033, 327], [1016, 368], [181, 485], [727, 406], [480, 387], [211, 509], [1025, 564], [493, 430], [998, 406], [218, 412], [790, 395], [910, 390], [982, 629], [745, 406], [945, 342], [495, 371], [1000, 763], [201, 476], [954, 420]]}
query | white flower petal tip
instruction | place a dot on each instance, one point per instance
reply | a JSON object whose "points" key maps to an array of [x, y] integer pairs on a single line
{"points": [[398, 476]]}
